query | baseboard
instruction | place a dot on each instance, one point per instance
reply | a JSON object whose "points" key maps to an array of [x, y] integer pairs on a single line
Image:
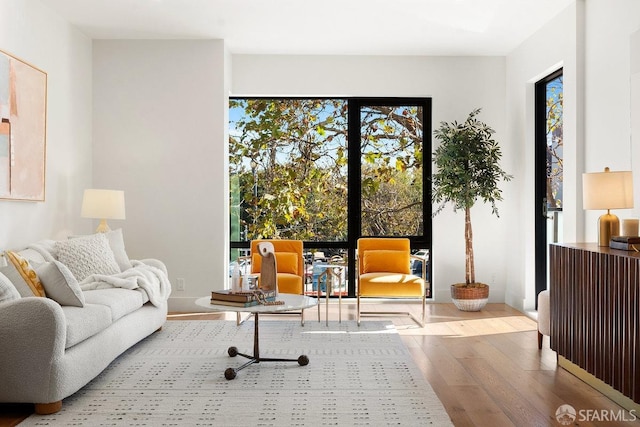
{"points": [[183, 304]]}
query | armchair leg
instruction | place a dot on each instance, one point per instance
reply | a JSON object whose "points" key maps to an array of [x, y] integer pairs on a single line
{"points": [[421, 321]]}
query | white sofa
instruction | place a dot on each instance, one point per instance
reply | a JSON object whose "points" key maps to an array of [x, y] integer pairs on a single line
{"points": [[50, 350]]}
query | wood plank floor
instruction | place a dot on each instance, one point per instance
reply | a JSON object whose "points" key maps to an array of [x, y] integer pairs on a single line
{"points": [[485, 366]]}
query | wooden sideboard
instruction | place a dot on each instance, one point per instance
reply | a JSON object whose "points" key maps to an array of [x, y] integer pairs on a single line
{"points": [[595, 316]]}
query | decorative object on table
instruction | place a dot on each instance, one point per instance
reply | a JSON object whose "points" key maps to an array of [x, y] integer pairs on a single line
{"points": [[235, 303], [244, 299], [605, 191], [625, 243], [236, 278], [103, 205], [290, 268], [249, 283], [23, 117], [467, 163], [630, 227], [268, 273]]}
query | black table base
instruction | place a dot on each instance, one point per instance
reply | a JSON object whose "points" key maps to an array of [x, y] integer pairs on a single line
{"points": [[230, 373]]}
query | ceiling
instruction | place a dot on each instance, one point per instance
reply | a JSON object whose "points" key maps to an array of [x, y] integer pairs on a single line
{"points": [[328, 27]]}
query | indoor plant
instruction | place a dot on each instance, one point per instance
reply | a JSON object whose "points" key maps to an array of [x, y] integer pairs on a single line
{"points": [[467, 169]]}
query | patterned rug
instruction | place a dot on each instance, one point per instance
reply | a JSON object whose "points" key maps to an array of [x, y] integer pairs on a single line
{"points": [[357, 376]]}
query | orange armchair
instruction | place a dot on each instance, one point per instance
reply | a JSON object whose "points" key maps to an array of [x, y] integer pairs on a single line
{"points": [[384, 272]]}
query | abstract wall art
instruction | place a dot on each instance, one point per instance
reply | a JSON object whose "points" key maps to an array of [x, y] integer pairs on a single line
{"points": [[23, 118]]}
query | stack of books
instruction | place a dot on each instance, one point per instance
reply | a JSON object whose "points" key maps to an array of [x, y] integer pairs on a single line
{"points": [[241, 299], [626, 243]]}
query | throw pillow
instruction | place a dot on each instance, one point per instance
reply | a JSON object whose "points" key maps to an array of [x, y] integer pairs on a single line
{"points": [[87, 255], [116, 242], [387, 261], [22, 275], [287, 262], [60, 284], [8, 292]]}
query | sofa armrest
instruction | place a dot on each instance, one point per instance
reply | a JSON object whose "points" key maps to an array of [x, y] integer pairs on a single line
{"points": [[32, 336], [153, 263]]}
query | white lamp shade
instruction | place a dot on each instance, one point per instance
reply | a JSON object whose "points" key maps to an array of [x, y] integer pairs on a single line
{"points": [[103, 204], [607, 190]]}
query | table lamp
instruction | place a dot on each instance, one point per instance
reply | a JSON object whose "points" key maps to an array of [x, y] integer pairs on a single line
{"points": [[103, 205], [607, 190]]}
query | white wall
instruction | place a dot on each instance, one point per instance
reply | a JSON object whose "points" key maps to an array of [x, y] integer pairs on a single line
{"points": [[31, 32], [160, 124], [558, 44], [456, 85], [610, 25]]}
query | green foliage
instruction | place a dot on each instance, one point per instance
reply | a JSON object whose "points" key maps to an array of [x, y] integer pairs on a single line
{"points": [[554, 127], [467, 165], [394, 207], [290, 160], [290, 157]]}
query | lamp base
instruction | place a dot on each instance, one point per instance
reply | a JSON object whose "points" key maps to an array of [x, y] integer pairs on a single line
{"points": [[103, 227], [608, 226]]}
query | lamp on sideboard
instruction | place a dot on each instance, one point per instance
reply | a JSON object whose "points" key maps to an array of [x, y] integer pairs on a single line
{"points": [[103, 205], [607, 190]]}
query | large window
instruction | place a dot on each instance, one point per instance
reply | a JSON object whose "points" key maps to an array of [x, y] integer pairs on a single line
{"points": [[549, 100], [391, 153], [294, 175], [288, 169]]}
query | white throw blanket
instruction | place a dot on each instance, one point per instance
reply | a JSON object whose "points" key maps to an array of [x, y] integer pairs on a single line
{"points": [[151, 279]]}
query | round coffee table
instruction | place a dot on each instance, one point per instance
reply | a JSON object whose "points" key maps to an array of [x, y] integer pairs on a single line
{"points": [[291, 302]]}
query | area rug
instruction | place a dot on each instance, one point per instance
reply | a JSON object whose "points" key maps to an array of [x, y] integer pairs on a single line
{"points": [[356, 376]]}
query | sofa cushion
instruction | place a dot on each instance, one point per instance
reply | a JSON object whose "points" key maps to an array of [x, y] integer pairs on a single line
{"points": [[87, 255], [85, 322], [119, 301], [41, 251], [22, 275], [8, 292], [390, 285], [59, 284]]}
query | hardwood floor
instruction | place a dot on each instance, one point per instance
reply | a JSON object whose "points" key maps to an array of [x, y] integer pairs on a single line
{"points": [[485, 366]]}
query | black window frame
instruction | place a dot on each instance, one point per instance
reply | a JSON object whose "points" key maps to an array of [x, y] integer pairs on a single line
{"points": [[354, 104]]}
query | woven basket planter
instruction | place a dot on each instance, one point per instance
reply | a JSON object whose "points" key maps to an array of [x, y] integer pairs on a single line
{"points": [[469, 298]]}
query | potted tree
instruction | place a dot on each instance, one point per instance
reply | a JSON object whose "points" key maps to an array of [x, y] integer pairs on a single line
{"points": [[467, 169]]}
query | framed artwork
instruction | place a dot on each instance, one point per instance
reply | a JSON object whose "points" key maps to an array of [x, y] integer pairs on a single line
{"points": [[23, 129]]}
